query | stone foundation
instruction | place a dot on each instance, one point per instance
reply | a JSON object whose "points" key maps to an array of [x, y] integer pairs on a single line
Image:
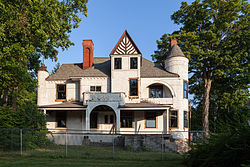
{"points": [[156, 143], [138, 142]]}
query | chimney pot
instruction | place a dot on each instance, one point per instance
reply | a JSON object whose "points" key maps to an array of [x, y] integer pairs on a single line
{"points": [[173, 42]]}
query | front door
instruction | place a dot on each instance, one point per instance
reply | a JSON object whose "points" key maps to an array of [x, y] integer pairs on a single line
{"points": [[93, 120]]}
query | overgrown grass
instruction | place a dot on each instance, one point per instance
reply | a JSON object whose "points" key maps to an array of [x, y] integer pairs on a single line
{"points": [[88, 156]]}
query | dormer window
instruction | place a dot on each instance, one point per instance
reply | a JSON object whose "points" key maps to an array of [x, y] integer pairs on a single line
{"points": [[118, 63], [61, 92], [133, 63]]}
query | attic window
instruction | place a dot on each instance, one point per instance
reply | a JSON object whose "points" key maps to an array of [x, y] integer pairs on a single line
{"points": [[133, 63], [61, 92], [118, 63]]}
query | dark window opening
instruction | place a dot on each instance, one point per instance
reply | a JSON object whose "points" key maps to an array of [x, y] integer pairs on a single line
{"points": [[98, 88], [186, 120], [95, 88], [93, 120], [173, 119], [133, 87], [61, 118], [156, 91], [150, 119], [92, 88], [133, 63], [185, 89], [126, 119], [61, 91], [118, 63]]}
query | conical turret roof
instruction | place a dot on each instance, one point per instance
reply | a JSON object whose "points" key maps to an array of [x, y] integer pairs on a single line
{"points": [[175, 51]]}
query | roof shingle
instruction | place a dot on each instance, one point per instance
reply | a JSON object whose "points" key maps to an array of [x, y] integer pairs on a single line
{"points": [[101, 68]]}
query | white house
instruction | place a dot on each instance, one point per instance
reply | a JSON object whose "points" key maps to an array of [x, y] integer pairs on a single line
{"points": [[123, 92]]}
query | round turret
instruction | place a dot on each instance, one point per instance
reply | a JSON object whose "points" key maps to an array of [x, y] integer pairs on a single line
{"points": [[42, 74], [176, 62]]}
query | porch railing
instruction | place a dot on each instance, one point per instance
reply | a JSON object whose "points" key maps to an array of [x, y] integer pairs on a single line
{"points": [[104, 97]]}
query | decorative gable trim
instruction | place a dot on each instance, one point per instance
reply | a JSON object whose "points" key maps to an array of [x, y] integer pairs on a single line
{"points": [[125, 46]]}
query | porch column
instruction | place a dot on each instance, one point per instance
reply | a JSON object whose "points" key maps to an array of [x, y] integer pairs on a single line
{"points": [[117, 113], [168, 120], [87, 120], [165, 121], [80, 90]]}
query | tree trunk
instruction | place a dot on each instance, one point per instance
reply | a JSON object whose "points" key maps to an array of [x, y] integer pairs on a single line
{"points": [[4, 97], [205, 112], [14, 103]]}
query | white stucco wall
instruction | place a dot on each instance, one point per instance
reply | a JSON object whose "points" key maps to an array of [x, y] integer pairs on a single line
{"points": [[120, 77]]}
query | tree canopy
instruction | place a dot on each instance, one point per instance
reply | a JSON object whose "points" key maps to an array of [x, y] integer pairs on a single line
{"points": [[29, 30], [214, 35]]}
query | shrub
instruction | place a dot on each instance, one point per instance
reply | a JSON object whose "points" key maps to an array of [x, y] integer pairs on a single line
{"points": [[230, 147]]}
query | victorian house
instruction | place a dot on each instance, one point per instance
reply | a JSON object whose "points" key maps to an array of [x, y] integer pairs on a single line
{"points": [[122, 92]]}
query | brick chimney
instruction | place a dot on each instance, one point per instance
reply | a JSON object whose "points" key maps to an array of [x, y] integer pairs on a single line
{"points": [[173, 42], [88, 49]]}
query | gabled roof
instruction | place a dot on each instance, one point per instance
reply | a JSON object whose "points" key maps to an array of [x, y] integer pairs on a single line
{"points": [[150, 69], [100, 68], [125, 46], [175, 51]]}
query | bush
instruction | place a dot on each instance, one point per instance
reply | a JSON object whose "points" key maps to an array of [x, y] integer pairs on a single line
{"points": [[30, 120], [230, 147]]}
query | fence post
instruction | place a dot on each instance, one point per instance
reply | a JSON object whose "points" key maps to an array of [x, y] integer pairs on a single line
{"points": [[21, 141], [11, 144], [113, 148], [162, 141], [66, 143]]}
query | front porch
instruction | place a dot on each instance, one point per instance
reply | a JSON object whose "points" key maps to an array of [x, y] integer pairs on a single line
{"points": [[108, 113]]}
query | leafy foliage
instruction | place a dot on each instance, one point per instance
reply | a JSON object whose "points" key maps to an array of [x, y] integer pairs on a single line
{"points": [[29, 30], [230, 147], [214, 36]]}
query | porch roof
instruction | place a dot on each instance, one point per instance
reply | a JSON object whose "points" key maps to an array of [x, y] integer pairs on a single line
{"points": [[65, 105], [144, 105]]}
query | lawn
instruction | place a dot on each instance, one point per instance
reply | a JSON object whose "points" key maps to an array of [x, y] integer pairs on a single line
{"points": [[88, 156]]}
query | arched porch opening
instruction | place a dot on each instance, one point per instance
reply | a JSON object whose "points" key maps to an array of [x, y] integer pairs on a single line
{"points": [[103, 118]]}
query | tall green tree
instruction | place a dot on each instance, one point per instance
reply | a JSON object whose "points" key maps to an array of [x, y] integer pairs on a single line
{"points": [[214, 35], [29, 30]]}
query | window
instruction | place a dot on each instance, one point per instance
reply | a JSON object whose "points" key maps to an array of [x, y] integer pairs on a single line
{"points": [[173, 119], [186, 118], [106, 119], [150, 119], [126, 119], [156, 91], [61, 118], [118, 63], [185, 89], [95, 88], [133, 87], [133, 63], [61, 92]]}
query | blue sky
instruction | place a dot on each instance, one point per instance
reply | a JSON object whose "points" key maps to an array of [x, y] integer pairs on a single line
{"points": [[145, 21]]}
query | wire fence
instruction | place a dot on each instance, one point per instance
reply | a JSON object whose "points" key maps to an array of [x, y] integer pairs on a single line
{"points": [[93, 144]]}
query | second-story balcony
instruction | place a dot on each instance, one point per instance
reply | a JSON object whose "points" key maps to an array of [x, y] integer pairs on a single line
{"points": [[157, 100], [103, 97]]}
